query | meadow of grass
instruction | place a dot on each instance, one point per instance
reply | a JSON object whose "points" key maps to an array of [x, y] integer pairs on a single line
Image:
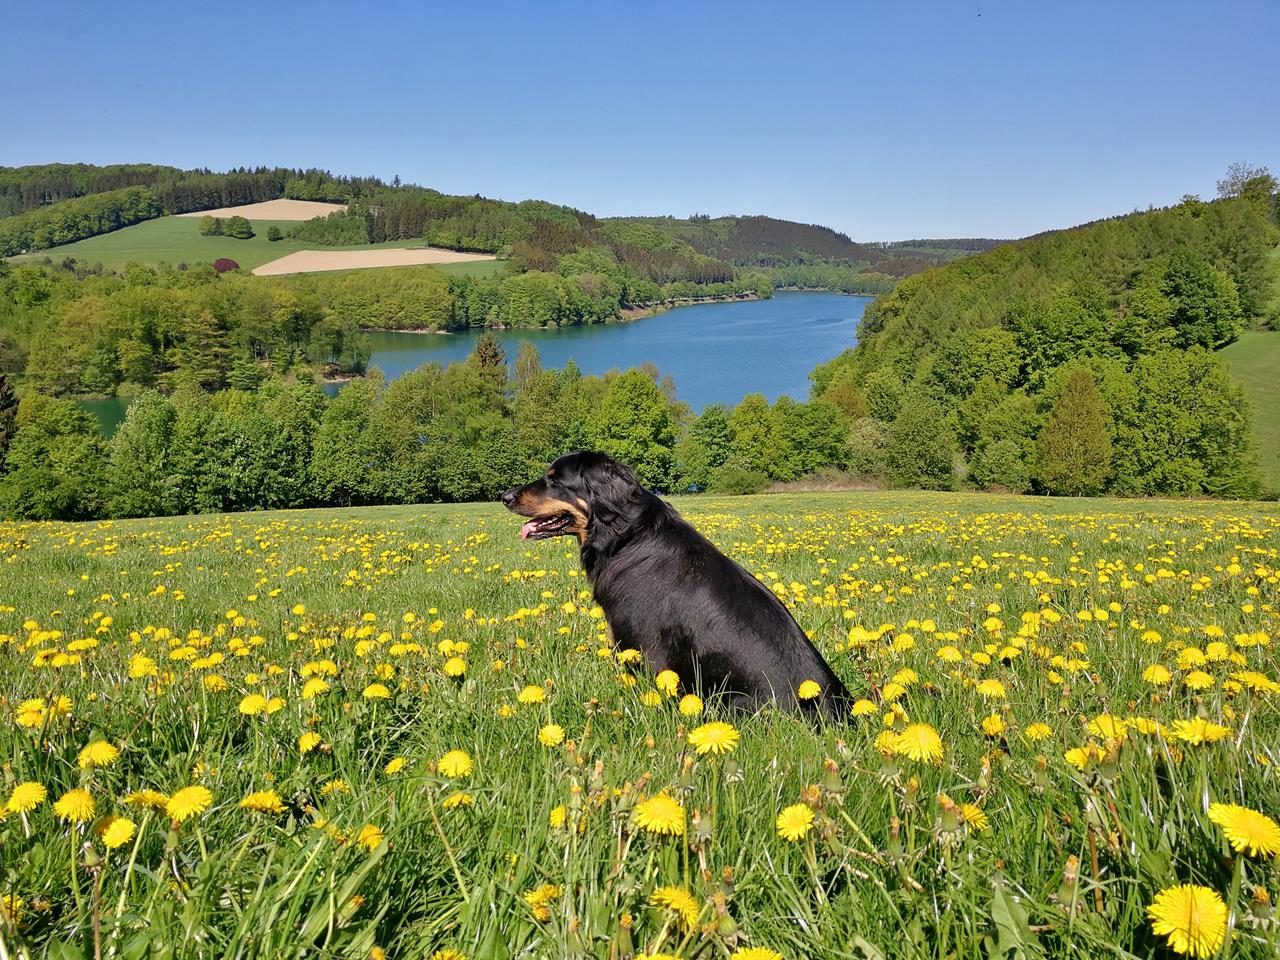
{"points": [[176, 240], [1255, 362], [402, 732]]}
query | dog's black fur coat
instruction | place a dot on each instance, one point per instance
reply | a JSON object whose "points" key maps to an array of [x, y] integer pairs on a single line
{"points": [[667, 592]]}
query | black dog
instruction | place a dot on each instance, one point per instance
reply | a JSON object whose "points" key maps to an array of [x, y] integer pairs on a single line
{"points": [[667, 592]]}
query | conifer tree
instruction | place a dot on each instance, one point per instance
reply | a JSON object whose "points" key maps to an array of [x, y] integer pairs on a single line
{"points": [[1073, 451], [8, 417]]}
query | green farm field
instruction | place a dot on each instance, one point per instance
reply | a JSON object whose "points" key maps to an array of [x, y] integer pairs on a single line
{"points": [[1255, 362], [176, 240], [401, 732]]}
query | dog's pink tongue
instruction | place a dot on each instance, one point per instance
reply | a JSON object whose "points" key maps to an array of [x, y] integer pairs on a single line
{"points": [[527, 529]]}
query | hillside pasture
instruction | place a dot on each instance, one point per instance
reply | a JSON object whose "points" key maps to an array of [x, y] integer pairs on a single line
{"points": [[175, 240], [319, 733], [1255, 362]]}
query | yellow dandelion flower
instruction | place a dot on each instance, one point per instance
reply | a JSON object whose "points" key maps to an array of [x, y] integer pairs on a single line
{"points": [[660, 814], [375, 691], [75, 805], [690, 705], [990, 689], [25, 797], [253, 704], [974, 816], [147, 799], [864, 708], [1108, 727], [1036, 732], [556, 817], [264, 801], [308, 741], [809, 690], [651, 698], [794, 821], [314, 687], [668, 682], [116, 831], [1193, 918], [1199, 730], [680, 902], [188, 802], [755, 953], [394, 766], [455, 764], [447, 954], [531, 694], [455, 667], [716, 737], [993, 725], [370, 837], [1248, 831], [100, 753], [1198, 680], [1081, 757], [459, 798], [551, 735], [919, 742]]}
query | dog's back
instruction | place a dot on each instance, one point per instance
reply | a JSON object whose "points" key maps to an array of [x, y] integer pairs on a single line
{"points": [[668, 592]]}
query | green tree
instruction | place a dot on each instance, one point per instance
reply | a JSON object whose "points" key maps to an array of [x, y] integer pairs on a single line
{"points": [[139, 479], [345, 466], [489, 356], [238, 228], [210, 226], [55, 462], [634, 425], [919, 444], [1073, 451], [703, 448], [883, 389], [274, 233], [8, 418], [758, 441]]}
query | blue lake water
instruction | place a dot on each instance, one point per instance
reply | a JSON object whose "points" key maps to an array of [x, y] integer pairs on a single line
{"points": [[715, 352]]}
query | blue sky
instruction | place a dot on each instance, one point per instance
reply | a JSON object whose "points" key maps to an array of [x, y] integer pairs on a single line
{"points": [[885, 120]]}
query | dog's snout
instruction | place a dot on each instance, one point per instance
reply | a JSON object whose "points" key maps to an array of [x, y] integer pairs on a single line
{"points": [[509, 497]]}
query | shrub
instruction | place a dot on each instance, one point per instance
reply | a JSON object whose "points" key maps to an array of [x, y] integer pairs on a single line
{"points": [[223, 264], [736, 480]]}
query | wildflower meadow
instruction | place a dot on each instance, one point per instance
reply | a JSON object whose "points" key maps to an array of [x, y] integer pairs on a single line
{"points": [[401, 732]]}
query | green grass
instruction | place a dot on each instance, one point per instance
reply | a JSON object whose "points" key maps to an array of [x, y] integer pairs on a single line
{"points": [[176, 240], [1255, 362], [158, 630]]}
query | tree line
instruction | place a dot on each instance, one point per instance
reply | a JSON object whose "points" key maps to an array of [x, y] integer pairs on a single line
{"points": [[462, 432], [68, 333], [153, 192], [1078, 362]]}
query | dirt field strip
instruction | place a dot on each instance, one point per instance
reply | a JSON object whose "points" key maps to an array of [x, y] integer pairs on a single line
{"points": [[316, 261], [273, 210]]}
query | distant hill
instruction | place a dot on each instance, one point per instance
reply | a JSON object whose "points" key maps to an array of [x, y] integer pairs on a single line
{"points": [[769, 242]]}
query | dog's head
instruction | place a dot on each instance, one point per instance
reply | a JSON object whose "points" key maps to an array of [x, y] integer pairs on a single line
{"points": [[578, 493]]}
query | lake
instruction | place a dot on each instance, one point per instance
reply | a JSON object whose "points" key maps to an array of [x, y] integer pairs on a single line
{"points": [[715, 352]]}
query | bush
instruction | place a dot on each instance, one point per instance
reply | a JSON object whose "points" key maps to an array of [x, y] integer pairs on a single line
{"points": [[210, 226], [223, 264], [737, 480], [274, 233], [238, 228]]}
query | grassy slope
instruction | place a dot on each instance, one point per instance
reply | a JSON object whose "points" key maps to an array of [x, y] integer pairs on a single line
{"points": [[1255, 361], [288, 588], [177, 240]]}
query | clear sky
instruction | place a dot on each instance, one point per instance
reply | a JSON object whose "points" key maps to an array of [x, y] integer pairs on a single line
{"points": [[886, 120]]}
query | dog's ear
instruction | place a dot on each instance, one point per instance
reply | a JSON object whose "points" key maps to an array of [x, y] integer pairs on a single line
{"points": [[617, 499]]}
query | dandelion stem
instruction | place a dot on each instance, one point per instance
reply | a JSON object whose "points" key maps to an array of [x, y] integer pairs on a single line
{"points": [[1237, 877], [453, 860]]}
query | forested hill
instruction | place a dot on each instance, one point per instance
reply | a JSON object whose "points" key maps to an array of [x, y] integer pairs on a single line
{"points": [[770, 242], [1094, 343]]}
